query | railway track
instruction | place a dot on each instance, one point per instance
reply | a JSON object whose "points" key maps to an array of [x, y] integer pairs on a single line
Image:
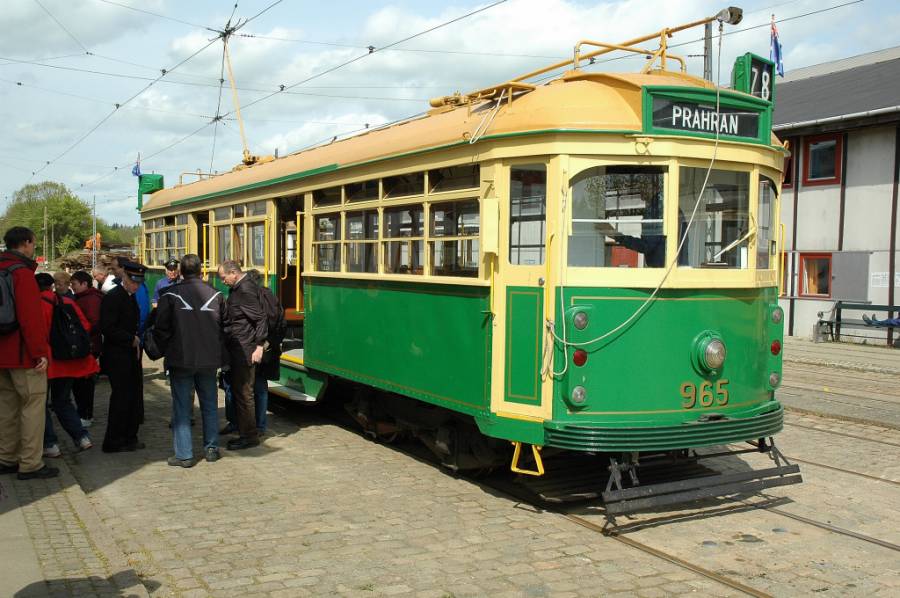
{"points": [[844, 434]]}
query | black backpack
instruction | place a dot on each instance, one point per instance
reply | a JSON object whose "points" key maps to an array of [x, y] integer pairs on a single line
{"points": [[275, 320], [68, 338], [8, 321]]}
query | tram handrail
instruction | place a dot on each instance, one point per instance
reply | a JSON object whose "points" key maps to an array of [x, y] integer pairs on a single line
{"points": [[730, 15], [577, 58]]}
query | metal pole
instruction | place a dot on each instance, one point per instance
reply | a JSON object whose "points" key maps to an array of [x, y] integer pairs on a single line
{"points": [[52, 239], [94, 237], [45, 235], [707, 51]]}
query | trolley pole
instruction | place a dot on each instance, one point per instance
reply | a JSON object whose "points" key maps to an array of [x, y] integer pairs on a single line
{"points": [[707, 51], [94, 236]]}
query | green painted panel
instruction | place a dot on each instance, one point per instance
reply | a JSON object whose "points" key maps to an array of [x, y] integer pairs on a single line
{"points": [[309, 382], [427, 341], [522, 376], [638, 376]]}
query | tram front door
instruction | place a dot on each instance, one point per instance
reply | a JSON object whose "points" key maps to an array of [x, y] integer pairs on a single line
{"points": [[521, 297]]}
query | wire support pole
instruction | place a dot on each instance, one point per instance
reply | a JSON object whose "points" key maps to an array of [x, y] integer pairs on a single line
{"points": [[94, 235]]}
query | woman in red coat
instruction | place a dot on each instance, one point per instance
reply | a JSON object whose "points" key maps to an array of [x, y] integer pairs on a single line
{"points": [[61, 374]]}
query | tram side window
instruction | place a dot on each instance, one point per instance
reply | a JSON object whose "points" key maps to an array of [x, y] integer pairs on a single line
{"points": [[223, 243], [527, 214], [404, 245], [454, 245], [721, 228], [454, 177], [402, 185], [257, 234], [766, 223], [362, 241], [327, 244], [327, 197], [362, 191], [617, 217]]}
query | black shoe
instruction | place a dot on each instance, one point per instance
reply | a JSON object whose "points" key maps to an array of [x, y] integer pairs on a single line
{"points": [[238, 444], [5, 469], [41, 474], [228, 429], [176, 462], [213, 455]]}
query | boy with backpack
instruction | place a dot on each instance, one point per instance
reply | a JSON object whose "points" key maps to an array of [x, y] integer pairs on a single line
{"points": [[70, 359], [24, 353]]}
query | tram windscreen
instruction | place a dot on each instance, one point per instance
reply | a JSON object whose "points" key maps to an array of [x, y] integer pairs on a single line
{"points": [[617, 217], [719, 234]]}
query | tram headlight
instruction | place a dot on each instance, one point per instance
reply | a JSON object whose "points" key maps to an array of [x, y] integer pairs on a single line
{"points": [[774, 379], [579, 395], [714, 354], [580, 320], [777, 315]]}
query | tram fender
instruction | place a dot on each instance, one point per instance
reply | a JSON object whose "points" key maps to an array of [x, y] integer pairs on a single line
{"points": [[498, 426]]}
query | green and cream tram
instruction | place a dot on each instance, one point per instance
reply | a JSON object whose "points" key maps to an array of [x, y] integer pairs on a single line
{"points": [[589, 264]]}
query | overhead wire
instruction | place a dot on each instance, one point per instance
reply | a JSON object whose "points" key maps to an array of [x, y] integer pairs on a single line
{"points": [[372, 51], [163, 73], [155, 14], [61, 26]]}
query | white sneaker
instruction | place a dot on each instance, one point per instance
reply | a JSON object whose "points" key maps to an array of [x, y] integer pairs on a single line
{"points": [[52, 451], [86, 423], [85, 443]]}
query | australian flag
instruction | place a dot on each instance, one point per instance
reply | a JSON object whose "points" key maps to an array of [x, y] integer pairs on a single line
{"points": [[775, 53]]}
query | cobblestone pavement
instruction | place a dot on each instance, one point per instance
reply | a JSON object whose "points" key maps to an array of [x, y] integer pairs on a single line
{"points": [[849, 381], [319, 511]]}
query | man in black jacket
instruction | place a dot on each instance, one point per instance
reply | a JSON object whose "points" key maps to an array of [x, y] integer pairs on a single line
{"points": [[121, 361], [188, 332], [246, 330]]}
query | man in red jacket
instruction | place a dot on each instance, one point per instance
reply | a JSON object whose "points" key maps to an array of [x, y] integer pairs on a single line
{"points": [[24, 356], [88, 299]]}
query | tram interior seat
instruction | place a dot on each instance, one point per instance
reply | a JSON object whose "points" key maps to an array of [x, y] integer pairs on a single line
{"points": [[831, 323]]}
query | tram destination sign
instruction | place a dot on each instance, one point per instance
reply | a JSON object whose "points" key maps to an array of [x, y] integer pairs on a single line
{"points": [[702, 118]]}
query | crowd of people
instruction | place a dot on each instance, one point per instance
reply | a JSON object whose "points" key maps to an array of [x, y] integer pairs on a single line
{"points": [[59, 332]]}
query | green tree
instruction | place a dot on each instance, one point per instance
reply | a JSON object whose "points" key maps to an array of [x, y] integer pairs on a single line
{"points": [[68, 217]]}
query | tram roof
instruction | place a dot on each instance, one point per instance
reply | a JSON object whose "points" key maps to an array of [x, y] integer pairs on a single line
{"points": [[577, 101]]}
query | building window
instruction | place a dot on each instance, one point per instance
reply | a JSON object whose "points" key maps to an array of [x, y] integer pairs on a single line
{"points": [[815, 275], [822, 160]]}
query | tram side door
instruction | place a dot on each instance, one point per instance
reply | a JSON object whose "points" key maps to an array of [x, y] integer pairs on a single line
{"points": [[520, 293], [290, 263]]}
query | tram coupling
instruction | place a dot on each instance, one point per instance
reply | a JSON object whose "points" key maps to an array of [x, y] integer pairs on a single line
{"points": [[625, 494]]}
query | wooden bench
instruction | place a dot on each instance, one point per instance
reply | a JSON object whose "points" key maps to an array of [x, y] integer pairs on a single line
{"points": [[830, 323]]}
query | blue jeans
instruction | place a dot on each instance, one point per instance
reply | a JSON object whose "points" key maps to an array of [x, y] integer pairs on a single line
{"points": [[183, 383], [260, 400], [61, 400]]}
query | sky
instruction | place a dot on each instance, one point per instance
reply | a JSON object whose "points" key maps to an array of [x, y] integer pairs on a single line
{"points": [[66, 64]]}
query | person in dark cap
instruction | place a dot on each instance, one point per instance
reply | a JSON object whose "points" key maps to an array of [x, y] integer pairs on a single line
{"points": [[121, 361], [171, 277]]}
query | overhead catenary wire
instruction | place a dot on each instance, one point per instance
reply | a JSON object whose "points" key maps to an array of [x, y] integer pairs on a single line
{"points": [[372, 51], [61, 26], [90, 131], [155, 14]]}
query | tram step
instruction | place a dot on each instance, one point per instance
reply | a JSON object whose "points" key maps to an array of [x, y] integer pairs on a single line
{"points": [[290, 393]]}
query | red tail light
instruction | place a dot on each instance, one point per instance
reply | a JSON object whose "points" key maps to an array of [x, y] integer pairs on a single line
{"points": [[580, 357], [776, 347]]}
